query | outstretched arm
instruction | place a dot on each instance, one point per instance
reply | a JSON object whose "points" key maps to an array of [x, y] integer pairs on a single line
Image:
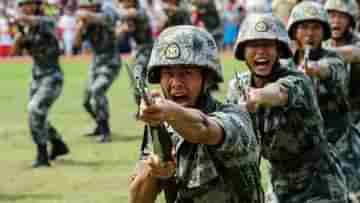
{"points": [[193, 125]]}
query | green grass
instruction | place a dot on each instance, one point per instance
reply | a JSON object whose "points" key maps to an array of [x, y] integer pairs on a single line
{"points": [[92, 172]]}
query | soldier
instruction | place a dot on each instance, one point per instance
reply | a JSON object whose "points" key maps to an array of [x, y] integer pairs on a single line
{"points": [[209, 17], [98, 27], [286, 116], [177, 13], [136, 25], [343, 17], [215, 149], [36, 35], [309, 27]]}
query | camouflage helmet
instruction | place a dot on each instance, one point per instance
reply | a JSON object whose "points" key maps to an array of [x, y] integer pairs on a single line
{"points": [[349, 7], [185, 45], [309, 11], [258, 26], [20, 2], [86, 3]]}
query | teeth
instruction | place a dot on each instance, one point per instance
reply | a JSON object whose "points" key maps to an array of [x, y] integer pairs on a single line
{"points": [[261, 61]]}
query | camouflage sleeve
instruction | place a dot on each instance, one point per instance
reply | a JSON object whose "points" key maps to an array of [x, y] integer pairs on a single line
{"points": [[338, 75], [239, 143], [233, 93], [300, 92]]}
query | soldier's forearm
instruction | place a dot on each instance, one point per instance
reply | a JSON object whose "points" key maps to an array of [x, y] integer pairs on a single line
{"points": [[195, 127], [350, 53], [272, 95]]}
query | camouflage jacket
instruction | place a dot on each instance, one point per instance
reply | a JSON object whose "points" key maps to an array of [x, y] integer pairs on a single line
{"points": [[233, 164], [209, 15], [332, 94], [41, 43], [181, 16], [353, 69], [292, 138], [142, 34], [286, 133], [103, 41]]}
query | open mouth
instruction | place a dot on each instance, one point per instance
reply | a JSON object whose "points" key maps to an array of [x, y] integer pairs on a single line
{"points": [[179, 98], [335, 28], [262, 62]]}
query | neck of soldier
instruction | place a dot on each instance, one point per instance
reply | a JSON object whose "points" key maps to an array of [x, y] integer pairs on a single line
{"points": [[337, 42], [260, 82]]}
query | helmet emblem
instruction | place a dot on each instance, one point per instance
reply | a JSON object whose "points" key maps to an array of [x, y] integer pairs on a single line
{"points": [[261, 26], [172, 51], [311, 11]]}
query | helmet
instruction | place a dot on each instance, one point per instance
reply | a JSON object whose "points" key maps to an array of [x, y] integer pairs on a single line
{"points": [[309, 11], [185, 45], [88, 3], [349, 7], [20, 2], [259, 26]]}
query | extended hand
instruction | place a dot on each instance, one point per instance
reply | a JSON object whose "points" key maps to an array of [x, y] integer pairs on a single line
{"points": [[252, 99], [161, 110], [159, 170], [312, 68]]}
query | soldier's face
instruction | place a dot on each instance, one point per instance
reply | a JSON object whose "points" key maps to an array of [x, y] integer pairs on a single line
{"points": [[181, 84], [309, 33], [261, 55], [339, 22], [28, 8]]}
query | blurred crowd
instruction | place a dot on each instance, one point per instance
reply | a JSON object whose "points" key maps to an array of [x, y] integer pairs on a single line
{"points": [[224, 25]]}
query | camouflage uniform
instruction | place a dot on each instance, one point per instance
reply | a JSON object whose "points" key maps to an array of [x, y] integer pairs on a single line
{"points": [[181, 16], [105, 66], [302, 167], [46, 84], [143, 37], [349, 8], [224, 173], [332, 95], [209, 15]]}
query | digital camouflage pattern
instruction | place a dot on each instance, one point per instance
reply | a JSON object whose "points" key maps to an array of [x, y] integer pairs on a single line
{"points": [[47, 77], [105, 66], [349, 7], [302, 167], [143, 37], [213, 174], [349, 146], [185, 45], [209, 15], [332, 95], [308, 11], [180, 16], [18, 2], [262, 26], [208, 174], [43, 93], [88, 2]]}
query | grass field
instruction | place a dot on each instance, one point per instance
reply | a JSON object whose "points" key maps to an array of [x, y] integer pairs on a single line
{"points": [[92, 173]]}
